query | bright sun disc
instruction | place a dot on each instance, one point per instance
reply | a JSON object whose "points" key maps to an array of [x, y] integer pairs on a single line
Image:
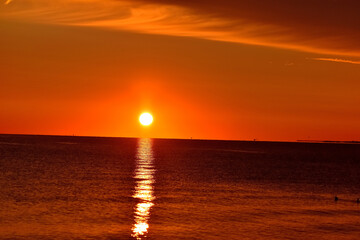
{"points": [[146, 119]]}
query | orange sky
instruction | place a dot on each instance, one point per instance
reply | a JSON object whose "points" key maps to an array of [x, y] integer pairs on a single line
{"points": [[231, 70]]}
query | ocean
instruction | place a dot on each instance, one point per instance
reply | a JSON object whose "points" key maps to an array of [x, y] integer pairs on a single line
{"points": [[65, 187]]}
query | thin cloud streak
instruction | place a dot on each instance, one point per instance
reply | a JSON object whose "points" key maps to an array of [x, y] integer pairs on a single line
{"points": [[299, 26], [337, 60]]}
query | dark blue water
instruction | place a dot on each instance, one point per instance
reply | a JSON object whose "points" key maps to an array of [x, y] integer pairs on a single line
{"points": [[115, 188]]}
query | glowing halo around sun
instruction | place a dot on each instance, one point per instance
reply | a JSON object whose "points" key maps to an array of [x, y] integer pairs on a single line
{"points": [[146, 119]]}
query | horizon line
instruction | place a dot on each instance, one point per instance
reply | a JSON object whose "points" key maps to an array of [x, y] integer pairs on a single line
{"points": [[195, 139]]}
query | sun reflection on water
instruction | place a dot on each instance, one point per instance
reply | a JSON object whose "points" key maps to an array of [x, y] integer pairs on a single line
{"points": [[144, 192]]}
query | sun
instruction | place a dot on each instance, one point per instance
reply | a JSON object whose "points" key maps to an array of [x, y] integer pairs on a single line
{"points": [[146, 119]]}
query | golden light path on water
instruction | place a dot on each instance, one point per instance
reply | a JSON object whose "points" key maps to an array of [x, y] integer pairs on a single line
{"points": [[144, 192]]}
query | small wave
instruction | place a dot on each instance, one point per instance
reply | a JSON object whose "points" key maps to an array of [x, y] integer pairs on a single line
{"points": [[67, 143], [11, 143]]}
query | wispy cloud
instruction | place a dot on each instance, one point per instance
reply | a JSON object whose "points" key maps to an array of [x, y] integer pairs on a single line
{"points": [[328, 27], [337, 60], [7, 2]]}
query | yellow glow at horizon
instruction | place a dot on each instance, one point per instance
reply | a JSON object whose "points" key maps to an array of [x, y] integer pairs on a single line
{"points": [[146, 119]]}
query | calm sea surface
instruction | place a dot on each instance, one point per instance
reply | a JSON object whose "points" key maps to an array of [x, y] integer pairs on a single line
{"points": [[115, 188]]}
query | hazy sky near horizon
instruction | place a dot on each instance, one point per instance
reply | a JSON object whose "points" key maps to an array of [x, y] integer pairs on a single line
{"points": [[270, 70]]}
